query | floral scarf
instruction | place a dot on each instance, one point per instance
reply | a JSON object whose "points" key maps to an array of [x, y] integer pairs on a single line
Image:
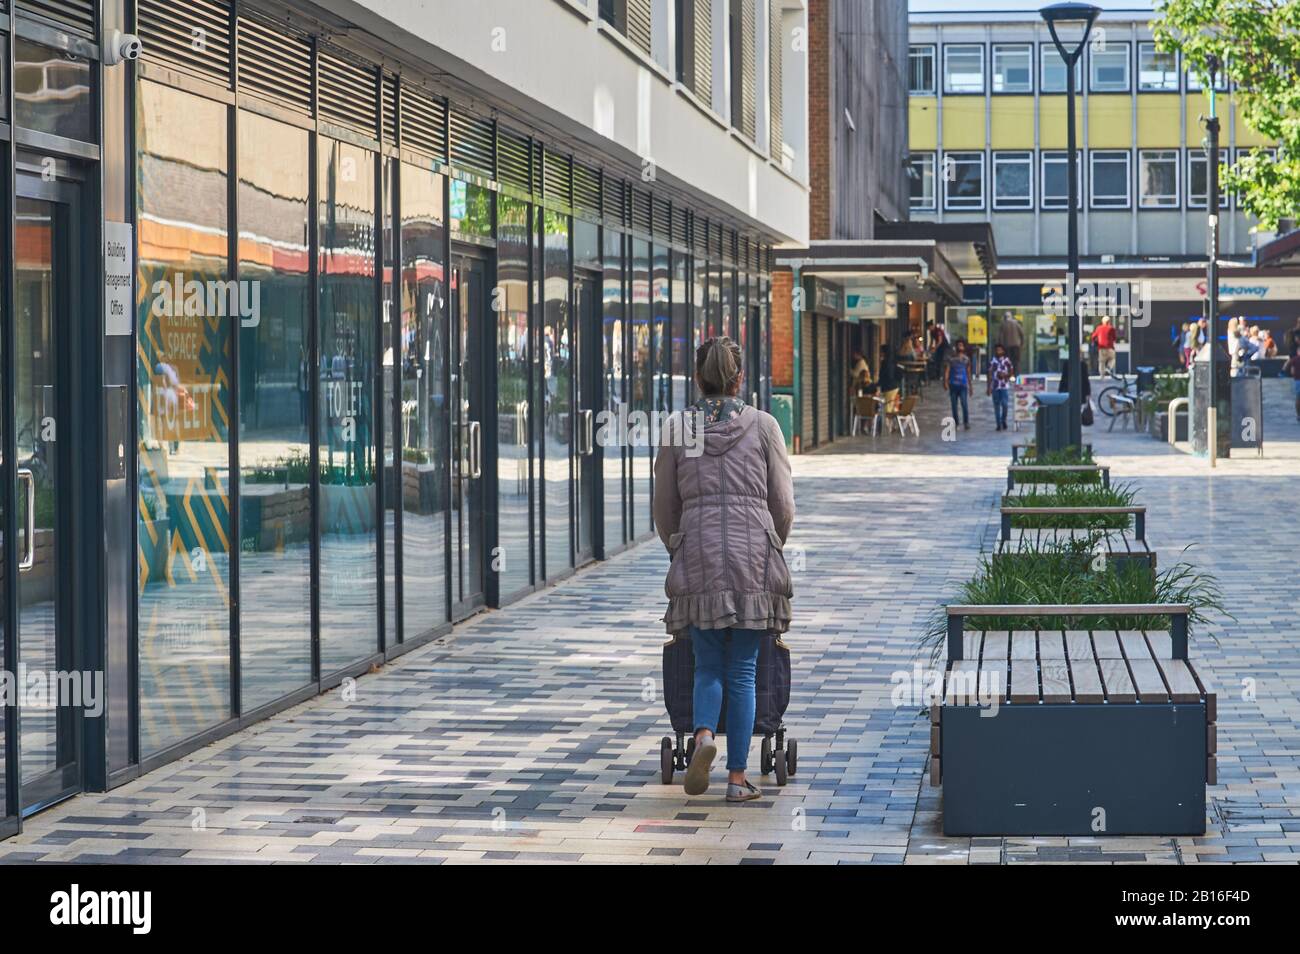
{"points": [[718, 409]]}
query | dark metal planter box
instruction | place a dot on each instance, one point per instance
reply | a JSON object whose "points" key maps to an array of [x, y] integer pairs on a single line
{"points": [[1055, 769], [1095, 732]]}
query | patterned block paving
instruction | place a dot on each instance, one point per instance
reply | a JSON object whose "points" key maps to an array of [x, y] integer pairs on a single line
{"points": [[530, 735]]}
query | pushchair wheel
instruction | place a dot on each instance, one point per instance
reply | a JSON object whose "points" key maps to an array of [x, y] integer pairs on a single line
{"points": [[666, 760], [765, 755], [690, 749], [791, 756], [779, 757]]}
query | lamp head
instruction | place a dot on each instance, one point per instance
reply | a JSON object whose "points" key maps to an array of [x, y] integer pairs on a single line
{"points": [[1069, 24]]}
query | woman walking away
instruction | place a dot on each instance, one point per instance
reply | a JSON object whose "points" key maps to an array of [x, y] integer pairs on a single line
{"points": [[723, 505]]}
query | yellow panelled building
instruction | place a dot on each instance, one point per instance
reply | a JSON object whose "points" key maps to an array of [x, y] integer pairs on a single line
{"points": [[987, 142]]}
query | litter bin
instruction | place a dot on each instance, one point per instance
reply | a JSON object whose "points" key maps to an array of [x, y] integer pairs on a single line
{"points": [[1146, 379], [1052, 422], [782, 406]]}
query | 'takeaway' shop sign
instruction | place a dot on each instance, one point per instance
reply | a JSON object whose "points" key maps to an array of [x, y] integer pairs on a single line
{"points": [[1231, 288]]}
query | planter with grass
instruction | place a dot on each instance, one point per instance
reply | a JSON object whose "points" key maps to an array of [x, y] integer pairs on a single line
{"points": [[1030, 475], [1028, 454], [1088, 518], [1068, 704], [1071, 511]]}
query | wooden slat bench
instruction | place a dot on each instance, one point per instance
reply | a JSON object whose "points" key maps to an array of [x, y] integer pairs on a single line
{"points": [[1139, 515], [1072, 732], [1032, 474], [1117, 546], [1018, 452]]}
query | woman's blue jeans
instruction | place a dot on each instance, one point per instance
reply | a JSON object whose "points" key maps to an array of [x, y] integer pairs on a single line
{"points": [[727, 657]]}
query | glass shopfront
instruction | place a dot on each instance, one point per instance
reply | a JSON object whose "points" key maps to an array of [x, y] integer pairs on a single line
{"points": [[365, 390], [347, 335], [275, 373], [556, 398], [423, 487], [183, 383], [514, 466]]}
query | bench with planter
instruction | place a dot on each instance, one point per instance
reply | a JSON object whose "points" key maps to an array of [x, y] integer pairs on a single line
{"points": [[1034, 474], [1066, 703], [1090, 549], [1084, 728], [1119, 527], [1028, 453]]}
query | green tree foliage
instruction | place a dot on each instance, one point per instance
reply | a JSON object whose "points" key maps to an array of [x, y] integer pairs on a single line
{"points": [[1256, 44]]}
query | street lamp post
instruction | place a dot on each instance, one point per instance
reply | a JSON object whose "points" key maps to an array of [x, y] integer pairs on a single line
{"points": [[1220, 402], [1064, 20]]}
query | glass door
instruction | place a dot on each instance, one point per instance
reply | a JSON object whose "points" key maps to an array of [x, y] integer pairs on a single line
{"points": [[586, 289], [49, 724], [468, 300]]}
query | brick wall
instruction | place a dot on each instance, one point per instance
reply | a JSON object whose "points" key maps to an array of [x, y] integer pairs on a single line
{"points": [[819, 132], [782, 330]]}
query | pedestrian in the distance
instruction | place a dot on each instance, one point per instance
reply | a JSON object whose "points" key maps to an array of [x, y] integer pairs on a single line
{"points": [[1292, 366], [1012, 337], [956, 381], [1001, 373], [723, 506], [1103, 336]]}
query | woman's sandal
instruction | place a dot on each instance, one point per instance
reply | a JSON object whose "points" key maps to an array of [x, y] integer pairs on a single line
{"points": [[742, 792], [697, 772]]}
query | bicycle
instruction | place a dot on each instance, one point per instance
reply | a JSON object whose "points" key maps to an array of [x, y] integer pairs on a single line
{"points": [[1119, 398]]}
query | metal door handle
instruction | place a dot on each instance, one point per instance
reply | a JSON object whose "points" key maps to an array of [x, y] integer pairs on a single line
{"points": [[588, 433], [475, 450], [29, 558]]}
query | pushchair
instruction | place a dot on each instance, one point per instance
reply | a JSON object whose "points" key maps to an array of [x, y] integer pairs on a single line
{"points": [[778, 752]]}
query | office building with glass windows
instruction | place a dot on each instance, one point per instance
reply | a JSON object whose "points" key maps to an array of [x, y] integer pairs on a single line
{"points": [[987, 142], [327, 324]]}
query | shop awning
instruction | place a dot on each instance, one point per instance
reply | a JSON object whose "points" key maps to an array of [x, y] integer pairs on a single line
{"points": [[918, 268], [1281, 252], [968, 246]]}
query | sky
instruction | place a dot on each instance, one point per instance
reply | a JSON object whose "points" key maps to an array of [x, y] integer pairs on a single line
{"points": [[982, 6]]}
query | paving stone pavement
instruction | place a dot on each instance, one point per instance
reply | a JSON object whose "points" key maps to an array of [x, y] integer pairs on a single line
{"points": [[530, 734]]}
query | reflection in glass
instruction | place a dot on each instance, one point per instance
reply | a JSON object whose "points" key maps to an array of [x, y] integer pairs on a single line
{"points": [[389, 420], [683, 356], [4, 589], [663, 337], [640, 385], [700, 316], [425, 420], [471, 211], [764, 342], [727, 283], [610, 445], [274, 408], [742, 334], [183, 370], [349, 598], [513, 407], [43, 642], [52, 91], [557, 385]]}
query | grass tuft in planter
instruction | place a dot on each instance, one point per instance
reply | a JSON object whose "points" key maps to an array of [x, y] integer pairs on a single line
{"points": [[1073, 495], [1057, 577], [1066, 455]]}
